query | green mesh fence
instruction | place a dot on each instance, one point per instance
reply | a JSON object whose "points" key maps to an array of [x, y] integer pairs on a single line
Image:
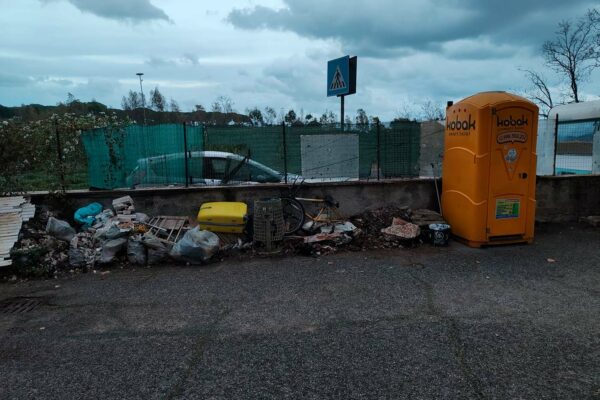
{"points": [[400, 145], [155, 155], [141, 155]]}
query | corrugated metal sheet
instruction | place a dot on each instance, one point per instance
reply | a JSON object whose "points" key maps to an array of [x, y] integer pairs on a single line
{"points": [[13, 211]]}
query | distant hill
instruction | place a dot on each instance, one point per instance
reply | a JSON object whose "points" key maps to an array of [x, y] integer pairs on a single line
{"points": [[33, 112]]}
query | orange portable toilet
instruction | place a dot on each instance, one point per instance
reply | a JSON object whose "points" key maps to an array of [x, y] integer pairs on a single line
{"points": [[489, 166]]}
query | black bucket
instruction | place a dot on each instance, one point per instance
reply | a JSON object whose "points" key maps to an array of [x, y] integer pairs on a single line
{"points": [[439, 234]]}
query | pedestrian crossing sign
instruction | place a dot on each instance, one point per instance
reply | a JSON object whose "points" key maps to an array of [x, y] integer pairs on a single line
{"points": [[341, 76]]}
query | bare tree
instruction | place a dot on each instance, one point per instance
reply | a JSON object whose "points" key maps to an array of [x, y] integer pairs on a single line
{"points": [[431, 111], [269, 116], [222, 104], [174, 106], [199, 107], [575, 50], [216, 107], [539, 93]]}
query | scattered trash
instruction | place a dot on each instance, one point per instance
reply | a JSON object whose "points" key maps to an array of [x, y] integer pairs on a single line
{"points": [[268, 227], [157, 251], [402, 229], [336, 237], [345, 227], [223, 216], [196, 246], [141, 217], [551, 260], [110, 249], [111, 231], [13, 212], [102, 218], [168, 229], [124, 235], [81, 251], [124, 205], [60, 229], [439, 234], [86, 215], [136, 251]]}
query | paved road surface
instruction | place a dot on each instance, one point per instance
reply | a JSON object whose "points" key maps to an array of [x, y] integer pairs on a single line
{"points": [[455, 323]]}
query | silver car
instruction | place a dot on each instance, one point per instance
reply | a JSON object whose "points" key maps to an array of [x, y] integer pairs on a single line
{"points": [[211, 168]]}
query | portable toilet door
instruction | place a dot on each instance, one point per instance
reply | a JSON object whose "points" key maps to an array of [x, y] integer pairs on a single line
{"points": [[488, 181], [511, 200]]}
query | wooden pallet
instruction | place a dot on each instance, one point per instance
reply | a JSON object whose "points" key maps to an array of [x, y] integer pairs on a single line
{"points": [[168, 229]]}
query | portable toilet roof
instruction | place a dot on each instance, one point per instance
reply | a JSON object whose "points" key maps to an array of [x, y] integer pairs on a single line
{"points": [[484, 99], [576, 111]]}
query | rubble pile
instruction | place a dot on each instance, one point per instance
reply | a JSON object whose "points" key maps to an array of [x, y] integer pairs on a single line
{"points": [[381, 232], [104, 237]]}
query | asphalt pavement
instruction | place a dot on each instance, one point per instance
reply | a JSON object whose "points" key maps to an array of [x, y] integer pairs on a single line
{"points": [[514, 322]]}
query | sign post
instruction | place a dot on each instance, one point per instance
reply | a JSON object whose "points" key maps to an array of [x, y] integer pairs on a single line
{"points": [[341, 80]]}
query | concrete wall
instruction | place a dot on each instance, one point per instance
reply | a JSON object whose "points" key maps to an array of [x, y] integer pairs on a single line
{"points": [[564, 198], [354, 197]]}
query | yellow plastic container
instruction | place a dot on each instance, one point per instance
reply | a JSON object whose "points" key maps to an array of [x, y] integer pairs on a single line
{"points": [[226, 217], [489, 166]]}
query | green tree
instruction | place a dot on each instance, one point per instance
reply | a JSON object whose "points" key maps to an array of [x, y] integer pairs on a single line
{"points": [[132, 101], [290, 118], [256, 117], [361, 119], [157, 100]]}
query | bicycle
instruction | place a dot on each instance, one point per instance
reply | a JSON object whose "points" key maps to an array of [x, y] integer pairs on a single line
{"points": [[295, 214]]}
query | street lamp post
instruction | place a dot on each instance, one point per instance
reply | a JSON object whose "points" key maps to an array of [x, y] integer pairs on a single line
{"points": [[139, 74]]}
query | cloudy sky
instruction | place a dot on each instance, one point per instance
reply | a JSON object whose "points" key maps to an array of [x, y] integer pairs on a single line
{"points": [[274, 52]]}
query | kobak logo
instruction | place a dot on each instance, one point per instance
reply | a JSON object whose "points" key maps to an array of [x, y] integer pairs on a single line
{"points": [[510, 122], [457, 125]]}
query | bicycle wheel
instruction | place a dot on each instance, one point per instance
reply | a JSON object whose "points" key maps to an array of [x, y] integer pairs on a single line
{"points": [[293, 215]]}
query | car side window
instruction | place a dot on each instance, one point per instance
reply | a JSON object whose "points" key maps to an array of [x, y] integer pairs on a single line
{"points": [[215, 168], [244, 174]]}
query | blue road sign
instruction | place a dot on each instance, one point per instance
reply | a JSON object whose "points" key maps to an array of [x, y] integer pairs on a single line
{"points": [[338, 77]]}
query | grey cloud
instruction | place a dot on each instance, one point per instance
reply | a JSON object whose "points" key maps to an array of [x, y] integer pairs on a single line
{"points": [[190, 58], [388, 28], [129, 10], [9, 80], [159, 62]]}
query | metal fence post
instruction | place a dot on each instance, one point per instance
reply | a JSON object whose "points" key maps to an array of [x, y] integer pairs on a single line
{"points": [[378, 150], [185, 152], [61, 169], [285, 165], [555, 144]]}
